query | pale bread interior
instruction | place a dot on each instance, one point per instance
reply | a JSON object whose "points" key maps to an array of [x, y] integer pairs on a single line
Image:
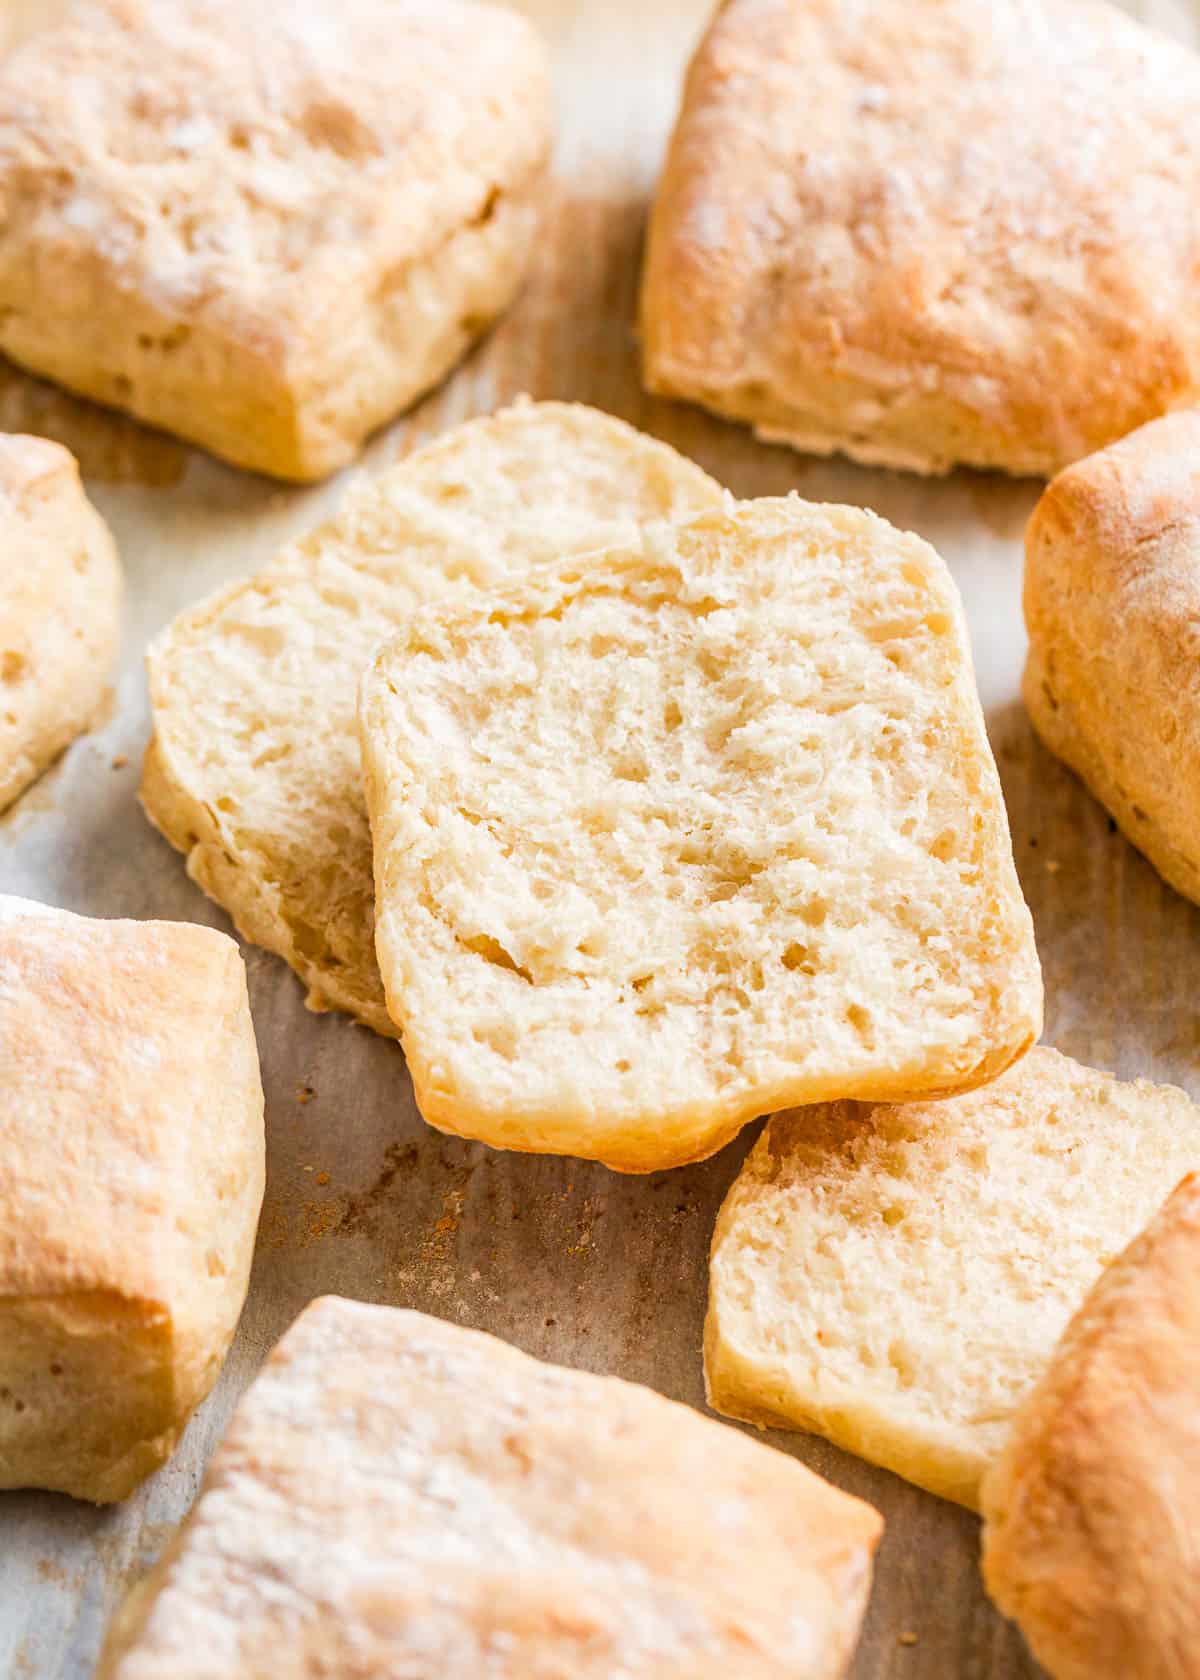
{"points": [[254, 769], [700, 827], [896, 1278]]}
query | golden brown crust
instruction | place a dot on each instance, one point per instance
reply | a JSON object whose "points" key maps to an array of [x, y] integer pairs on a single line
{"points": [[288, 232], [1112, 602], [131, 1176], [60, 603], [1093, 1513], [399, 1496], [957, 233]]}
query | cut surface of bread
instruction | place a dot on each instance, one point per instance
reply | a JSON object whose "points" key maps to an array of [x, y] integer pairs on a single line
{"points": [[1092, 1536], [60, 608], [896, 1277], [399, 1496], [131, 1178], [267, 228], [1112, 601], [254, 769], [677, 834], [925, 232]]}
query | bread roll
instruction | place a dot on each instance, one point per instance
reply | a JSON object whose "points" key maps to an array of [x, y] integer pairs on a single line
{"points": [[1092, 1540], [60, 609], [267, 228], [131, 1177], [924, 232], [1112, 600], [400, 1497]]}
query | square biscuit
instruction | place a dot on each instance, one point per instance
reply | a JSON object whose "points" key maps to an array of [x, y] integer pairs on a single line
{"points": [[269, 809], [1092, 1513], [895, 1278], [1112, 600], [397, 1496], [266, 228], [929, 232], [690, 830], [60, 608], [131, 1177]]}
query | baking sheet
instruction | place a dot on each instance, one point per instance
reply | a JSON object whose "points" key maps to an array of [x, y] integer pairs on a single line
{"points": [[561, 1257]]}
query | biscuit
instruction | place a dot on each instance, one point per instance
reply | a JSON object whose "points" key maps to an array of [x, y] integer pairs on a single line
{"points": [[60, 609], [896, 1278], [1092, 1536], [1112, 598], [131, 1176], [267, 228], [927, 232], [254, 769], [399, 1496], [690, 830]]}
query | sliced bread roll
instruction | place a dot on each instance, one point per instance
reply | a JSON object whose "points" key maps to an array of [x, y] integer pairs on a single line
{"points": [[692, 830], [254, 767], [896, 1278]]}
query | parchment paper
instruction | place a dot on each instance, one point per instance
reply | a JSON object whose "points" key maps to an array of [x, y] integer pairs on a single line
{"points": [[563, 1258]]}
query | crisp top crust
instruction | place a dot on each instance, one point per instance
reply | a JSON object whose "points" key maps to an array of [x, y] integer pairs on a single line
{"points": [[1093, 1513], [994, 203], [689, 830], [249, 166], [897, 1277], [492, 497], [398, 1496], [1132, 509], [107, 1030]]}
